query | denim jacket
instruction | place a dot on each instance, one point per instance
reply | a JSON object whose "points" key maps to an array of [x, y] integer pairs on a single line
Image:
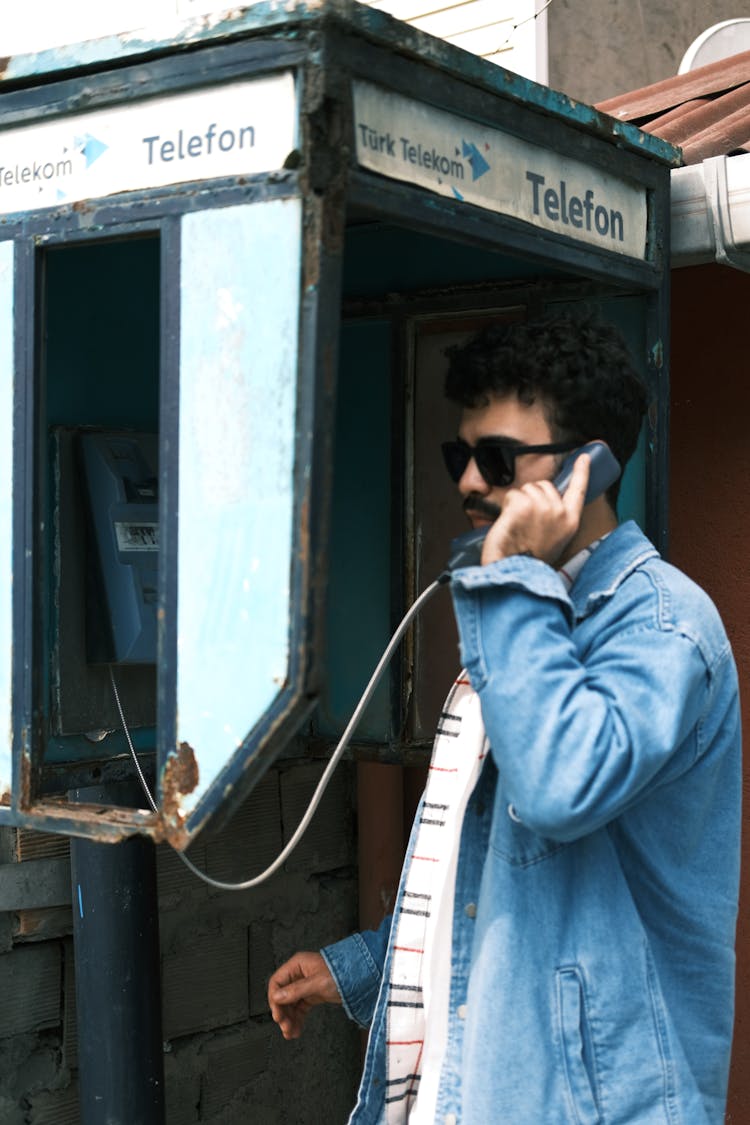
{"points": [[596, 893]]}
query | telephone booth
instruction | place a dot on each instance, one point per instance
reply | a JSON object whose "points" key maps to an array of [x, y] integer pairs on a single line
{"points": [[230, 264]]}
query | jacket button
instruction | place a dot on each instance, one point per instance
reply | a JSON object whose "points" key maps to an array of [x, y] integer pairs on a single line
{"points": [[451, 1119], [461, 1011], [513, 814], [470, 910]]}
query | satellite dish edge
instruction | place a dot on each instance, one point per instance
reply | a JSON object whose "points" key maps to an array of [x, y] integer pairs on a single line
{"points": [[730, 37]]}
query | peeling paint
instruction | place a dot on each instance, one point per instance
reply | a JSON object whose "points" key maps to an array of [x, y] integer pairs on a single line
{"points": [[181, 771], [24, 796], [106, 824], [180, 777]]}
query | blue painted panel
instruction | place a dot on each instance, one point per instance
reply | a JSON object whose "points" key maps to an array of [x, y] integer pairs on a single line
{"points": [[359, 603], [6, 511], [240, 294]]}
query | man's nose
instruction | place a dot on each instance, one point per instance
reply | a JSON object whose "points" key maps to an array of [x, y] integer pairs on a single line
{"points": [[472, 480]]}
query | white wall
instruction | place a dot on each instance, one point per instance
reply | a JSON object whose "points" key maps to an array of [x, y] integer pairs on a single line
{"points": [[25, 28], [510, 32], [505, 31]]}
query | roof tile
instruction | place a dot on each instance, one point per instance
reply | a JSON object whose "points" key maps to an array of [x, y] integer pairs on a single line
{"points": [[706, 111]]}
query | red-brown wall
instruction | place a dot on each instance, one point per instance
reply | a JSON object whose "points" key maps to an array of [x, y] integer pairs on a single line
{"points": [[710, 520]]}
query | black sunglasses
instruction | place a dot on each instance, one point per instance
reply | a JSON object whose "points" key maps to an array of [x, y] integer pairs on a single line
{"points": [[495, 457]]}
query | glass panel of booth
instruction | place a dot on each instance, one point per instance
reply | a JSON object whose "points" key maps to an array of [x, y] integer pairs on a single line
{"points": [[6, 511], [240, 294]]}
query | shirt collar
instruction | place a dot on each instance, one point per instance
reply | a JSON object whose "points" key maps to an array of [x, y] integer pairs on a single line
{"points": [[617, 556], [573, 567]]}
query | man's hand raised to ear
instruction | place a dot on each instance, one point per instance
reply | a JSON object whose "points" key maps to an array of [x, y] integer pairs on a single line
{"points": [[536, 520]]}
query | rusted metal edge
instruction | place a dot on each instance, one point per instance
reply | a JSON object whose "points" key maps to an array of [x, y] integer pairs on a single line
{"points": [[278, 736], [24, 794], [180, 777], [105, 823]]}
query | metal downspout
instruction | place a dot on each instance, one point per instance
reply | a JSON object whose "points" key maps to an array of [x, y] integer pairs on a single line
{"points": [[118, 993], [726, 252]]}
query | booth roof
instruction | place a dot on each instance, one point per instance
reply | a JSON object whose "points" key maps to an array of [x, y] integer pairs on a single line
{"points": [[705, 112]]}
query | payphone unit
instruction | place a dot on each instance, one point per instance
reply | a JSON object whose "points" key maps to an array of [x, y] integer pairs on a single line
{"points": [[121, 483]]}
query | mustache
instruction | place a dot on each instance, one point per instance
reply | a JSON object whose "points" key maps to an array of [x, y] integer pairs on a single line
{"points": [[480, 506]]}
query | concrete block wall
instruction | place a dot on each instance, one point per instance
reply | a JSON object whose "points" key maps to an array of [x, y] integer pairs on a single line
{"points": [[225, 1062]]}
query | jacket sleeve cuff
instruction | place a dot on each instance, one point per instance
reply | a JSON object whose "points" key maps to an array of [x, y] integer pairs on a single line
{"points": [[356, 965], [519, 572], [516, 587]]}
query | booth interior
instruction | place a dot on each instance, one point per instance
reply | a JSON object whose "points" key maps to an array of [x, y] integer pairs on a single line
{"points": [[98, 355], [407, 294]]}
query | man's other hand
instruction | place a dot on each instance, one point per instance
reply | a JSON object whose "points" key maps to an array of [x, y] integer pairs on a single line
{"points": [[297, 986], [536, 520]]}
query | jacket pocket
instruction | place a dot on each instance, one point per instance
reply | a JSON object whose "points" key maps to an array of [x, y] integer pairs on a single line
{"points": [[514, 842], [576, 1048]]}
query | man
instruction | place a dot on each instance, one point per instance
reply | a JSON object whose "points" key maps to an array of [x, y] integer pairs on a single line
{"points": [[562, 945]]}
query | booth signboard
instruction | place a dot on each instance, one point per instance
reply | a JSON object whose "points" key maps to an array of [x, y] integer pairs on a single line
{"points": [[242, 128], [223, 274], [410, 141]]}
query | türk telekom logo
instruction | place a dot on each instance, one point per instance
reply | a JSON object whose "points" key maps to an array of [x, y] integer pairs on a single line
{"points": [[84, 151], [420, 153]]}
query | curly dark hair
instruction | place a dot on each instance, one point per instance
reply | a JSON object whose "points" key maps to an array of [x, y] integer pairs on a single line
{"points": [[580, 369]]}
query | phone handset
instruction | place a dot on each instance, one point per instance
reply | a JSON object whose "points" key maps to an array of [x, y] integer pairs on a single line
{"points": [[466, 549]]}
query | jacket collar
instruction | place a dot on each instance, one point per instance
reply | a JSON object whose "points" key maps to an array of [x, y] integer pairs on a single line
{"points": [[622, 552]]}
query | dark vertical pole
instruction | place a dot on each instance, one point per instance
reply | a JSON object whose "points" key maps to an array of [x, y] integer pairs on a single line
{"points": [[118, 993]]}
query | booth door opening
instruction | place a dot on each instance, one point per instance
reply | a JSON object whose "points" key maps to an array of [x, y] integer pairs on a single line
{"points": [[97, 585]]}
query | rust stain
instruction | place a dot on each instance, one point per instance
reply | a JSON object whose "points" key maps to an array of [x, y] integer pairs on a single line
{"points": [[176, 836], [181, 771], [304, 530], [98, 822], [180, 777], [310, 243], [24, 797]]}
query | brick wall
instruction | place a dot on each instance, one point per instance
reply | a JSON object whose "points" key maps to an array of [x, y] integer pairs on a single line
{"points": [[225, 1062]]}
